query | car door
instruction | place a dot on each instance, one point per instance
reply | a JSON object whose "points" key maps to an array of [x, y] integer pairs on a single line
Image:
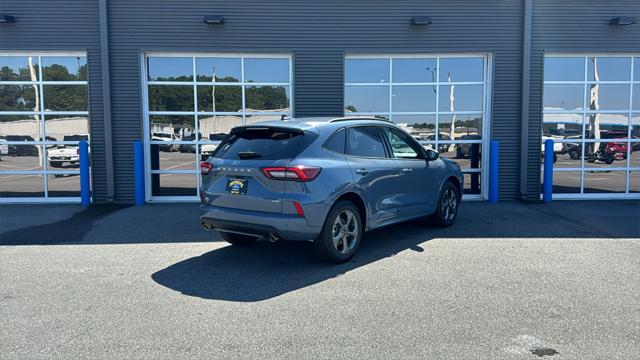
{"points": [[375, 174], [419, 183]]}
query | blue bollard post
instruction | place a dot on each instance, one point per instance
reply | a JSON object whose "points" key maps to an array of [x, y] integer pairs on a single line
{"points": [[547, 189], [138, 164], [85, 182], [494, 152]]}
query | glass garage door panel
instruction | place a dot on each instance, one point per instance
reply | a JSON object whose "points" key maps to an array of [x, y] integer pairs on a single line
{"points": [[590, 113], [44, 112], [193, 102], [440, 100]]}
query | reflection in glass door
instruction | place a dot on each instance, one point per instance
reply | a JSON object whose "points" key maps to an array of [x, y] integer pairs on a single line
{"points": [[592, 113], [439, 99], [193, 101], [43, 115]]}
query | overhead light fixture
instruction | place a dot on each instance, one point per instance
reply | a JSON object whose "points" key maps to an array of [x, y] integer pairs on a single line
{"points": [[622, 21], [213, 19], [421, 20], [4, 19]]}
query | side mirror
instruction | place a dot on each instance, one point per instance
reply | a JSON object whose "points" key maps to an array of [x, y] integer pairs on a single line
{"points": [[431, 154]]}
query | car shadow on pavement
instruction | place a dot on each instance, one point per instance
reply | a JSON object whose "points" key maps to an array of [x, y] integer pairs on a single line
{"points": [[266, 270], [69, 230]]}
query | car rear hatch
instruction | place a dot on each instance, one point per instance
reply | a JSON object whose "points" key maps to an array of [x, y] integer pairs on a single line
{"points": [[233, 176]]}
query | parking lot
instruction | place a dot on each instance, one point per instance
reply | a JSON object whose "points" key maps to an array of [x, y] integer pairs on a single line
{"points": [[180, 184], [597, 179], [67, 185], [147, 282]]}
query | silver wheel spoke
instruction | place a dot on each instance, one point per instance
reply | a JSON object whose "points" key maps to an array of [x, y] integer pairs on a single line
{"points": [[345, 245], [350, 220], [336, 241]]}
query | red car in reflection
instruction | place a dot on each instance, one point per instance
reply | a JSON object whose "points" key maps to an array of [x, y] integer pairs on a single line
{"points": [[619, 148]]}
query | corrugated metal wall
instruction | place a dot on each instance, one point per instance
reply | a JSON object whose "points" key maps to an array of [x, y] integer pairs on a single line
{"points": [[572, 26], [69, 25], [318, 34]]}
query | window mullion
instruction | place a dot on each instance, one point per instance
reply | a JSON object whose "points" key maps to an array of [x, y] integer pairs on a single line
{"points": [[437, 128], [244, 107], [629, 121]]}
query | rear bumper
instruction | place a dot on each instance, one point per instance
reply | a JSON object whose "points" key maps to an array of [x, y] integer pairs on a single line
{"points": [[288, 227], [64, 158]]}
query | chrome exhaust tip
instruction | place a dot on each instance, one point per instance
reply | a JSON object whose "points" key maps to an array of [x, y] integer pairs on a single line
{"points": [[273, 237]]}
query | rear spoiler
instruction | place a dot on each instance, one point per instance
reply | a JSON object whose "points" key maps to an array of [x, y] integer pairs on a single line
{"points": [[293, 130]]}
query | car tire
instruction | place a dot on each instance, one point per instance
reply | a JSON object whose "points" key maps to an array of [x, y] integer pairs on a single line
{"points": [[237, 239], [609, 158], [447, 205], [459, 154], [341, 233], [574, 154]]}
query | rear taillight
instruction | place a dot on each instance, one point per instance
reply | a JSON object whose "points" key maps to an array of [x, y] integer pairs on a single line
{"points": [[295, 173], [205, 168]]}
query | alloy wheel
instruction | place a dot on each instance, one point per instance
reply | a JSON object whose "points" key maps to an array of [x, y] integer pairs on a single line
{"points": [[448, 204], [345, 231]]}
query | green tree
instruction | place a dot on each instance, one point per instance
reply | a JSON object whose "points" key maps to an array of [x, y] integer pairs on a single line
{"points": [[266, 97]]}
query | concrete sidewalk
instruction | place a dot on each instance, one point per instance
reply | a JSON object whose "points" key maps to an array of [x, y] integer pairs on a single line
{"points": [[167, 223]]}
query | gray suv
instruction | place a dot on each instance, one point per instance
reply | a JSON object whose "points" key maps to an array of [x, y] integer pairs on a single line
{"points": [[323, 180]]}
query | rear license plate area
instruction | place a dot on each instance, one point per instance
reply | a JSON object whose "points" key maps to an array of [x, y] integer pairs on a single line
{"points": [[237, 186]]}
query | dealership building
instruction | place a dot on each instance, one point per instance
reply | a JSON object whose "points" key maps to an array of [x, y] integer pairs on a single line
{"points": [[456, 74]]}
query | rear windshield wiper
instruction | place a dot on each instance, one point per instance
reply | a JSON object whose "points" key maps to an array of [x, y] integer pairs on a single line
{"points": [[249, 155]]}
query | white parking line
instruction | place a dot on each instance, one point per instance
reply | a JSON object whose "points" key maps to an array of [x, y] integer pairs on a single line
{"points": [[180, 164]]}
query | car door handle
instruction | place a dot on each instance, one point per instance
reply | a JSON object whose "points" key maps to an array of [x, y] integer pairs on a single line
{"points": [[362, 171], [407, 170]]}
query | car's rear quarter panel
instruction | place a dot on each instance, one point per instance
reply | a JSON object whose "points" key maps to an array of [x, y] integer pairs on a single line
{"points": [[317, 196]]}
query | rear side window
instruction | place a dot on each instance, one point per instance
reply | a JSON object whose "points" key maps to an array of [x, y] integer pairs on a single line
{"points": [[336, 141], [264, 143], [365, 141]]}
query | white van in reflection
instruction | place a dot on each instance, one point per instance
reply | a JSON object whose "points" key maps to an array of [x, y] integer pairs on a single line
{"points": [[209, 147], [166, 137], [66, 153]]}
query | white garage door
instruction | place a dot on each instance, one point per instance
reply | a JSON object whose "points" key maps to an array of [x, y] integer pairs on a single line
{"points": [[592, 112], [440, 99]]}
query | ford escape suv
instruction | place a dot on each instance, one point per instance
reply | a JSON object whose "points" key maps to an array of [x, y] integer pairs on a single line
{"points": [[323, 180]]}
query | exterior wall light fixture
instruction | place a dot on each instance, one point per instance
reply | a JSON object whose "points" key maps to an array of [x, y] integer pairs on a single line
{"points": [[5, 19], [421, 20], [213, 19], [622, 21]]}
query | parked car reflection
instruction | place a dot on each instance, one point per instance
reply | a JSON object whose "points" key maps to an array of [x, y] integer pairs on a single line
{"points": [[66, 154], [21, 150]]}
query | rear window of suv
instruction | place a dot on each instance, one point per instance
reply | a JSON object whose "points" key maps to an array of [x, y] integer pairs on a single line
{"points": [[264, 143]]}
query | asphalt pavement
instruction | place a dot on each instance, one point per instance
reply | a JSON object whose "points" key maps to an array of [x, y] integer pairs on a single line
{"points": [[507, 281]]}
